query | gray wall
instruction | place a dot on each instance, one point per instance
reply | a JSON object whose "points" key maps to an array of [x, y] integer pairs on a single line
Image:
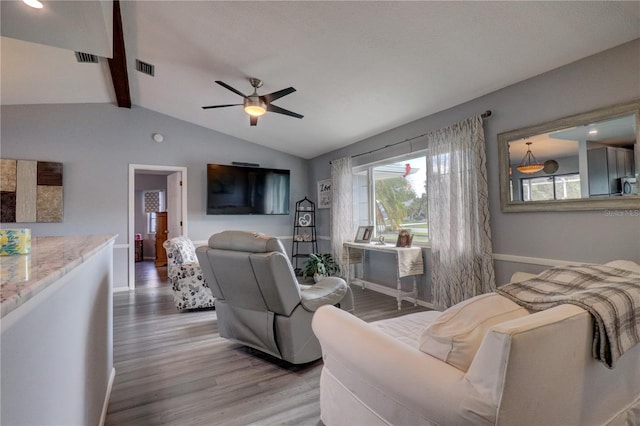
{"points": [[97, 142], [604, 79]]}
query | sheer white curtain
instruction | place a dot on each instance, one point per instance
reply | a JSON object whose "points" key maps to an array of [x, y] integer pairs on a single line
{"points": [[341, 207], [459, 231], [276, 194]]}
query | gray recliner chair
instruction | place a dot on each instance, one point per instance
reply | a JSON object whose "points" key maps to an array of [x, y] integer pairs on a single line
{"points": [[259, 302]]}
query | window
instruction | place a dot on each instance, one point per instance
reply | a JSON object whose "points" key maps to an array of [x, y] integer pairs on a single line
{"points": [[151, 222], [558, 187], [392, 195], [153, 203]]}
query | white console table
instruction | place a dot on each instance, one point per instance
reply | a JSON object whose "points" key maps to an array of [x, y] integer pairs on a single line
{"points": [[408, 263]]}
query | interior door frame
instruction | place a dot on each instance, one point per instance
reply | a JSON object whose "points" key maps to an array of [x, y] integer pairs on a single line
{"points": [[133, 168]]}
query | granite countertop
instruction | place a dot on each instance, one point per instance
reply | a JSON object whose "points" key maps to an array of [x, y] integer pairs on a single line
{"points": [[23, 276]]}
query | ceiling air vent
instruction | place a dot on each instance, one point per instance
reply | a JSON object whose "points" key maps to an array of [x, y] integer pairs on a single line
{"points": [[145, 68], [86, 58]]}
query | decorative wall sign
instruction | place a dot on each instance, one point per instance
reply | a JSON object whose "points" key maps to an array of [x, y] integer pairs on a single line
{"points": [[324, 194], [30, 191]]}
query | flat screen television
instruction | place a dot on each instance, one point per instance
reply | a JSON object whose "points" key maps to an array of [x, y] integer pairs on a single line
{"points": [[247, 190]]}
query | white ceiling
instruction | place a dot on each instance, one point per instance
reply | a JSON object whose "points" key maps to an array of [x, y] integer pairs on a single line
{"points": [[360, 68]]}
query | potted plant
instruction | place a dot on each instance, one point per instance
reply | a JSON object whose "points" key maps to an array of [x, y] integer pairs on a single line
{"points": [[320, 265]]}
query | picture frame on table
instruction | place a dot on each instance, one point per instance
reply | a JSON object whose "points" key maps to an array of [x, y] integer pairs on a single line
{"points": [[364, 234], [405, 238]]}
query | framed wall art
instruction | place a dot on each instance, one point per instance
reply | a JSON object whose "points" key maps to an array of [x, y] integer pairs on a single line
{"points": [[324, 194], [30, 191]]}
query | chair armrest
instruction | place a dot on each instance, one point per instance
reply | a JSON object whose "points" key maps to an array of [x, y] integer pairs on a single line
{"points": [[185, 270], [328, 291]]}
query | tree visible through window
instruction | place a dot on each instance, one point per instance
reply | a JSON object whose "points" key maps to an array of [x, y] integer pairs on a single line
{"points": [[392, 196]]}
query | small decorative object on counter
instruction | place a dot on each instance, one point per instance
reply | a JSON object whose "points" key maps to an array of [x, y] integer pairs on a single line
{"points": [[15, 241], [364, 234], [405, 238]]}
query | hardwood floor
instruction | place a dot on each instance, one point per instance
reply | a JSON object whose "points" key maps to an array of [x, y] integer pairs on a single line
{"points": [[173, 368], [148, 275]]}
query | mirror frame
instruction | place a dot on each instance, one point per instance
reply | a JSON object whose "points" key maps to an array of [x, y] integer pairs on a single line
{"points": [[612, 203]]}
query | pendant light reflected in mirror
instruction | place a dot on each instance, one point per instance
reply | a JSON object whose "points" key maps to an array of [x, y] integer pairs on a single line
{"points": [[529, 164]]}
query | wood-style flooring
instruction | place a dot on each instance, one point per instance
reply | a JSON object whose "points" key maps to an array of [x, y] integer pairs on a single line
{"points": [[147, 275], [173, 368]]}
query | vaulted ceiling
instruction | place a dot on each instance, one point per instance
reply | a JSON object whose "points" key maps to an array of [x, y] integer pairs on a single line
{"points": [[360, 68]]}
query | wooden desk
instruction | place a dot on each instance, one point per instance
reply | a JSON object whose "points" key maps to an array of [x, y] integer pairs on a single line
{"points": [[408, 263]]}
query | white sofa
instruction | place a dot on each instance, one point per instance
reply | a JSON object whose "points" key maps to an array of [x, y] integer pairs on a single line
{"points": [[535, 369]]}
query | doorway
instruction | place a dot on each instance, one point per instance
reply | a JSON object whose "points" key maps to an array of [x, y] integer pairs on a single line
{"points": [[175, 208]]}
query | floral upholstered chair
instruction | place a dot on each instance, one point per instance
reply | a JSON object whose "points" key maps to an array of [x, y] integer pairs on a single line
{"points": [[190, 291]]}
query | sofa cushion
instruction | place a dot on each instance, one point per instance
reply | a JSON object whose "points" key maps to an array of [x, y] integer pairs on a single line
{"points": [[406, 328], [625, 264], [455, 336]]}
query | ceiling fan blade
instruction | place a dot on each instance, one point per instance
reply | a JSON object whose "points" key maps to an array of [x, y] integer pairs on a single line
{"points": [[219, 106], [253, 120], [226, 86], [277, 95], [277, 109]]}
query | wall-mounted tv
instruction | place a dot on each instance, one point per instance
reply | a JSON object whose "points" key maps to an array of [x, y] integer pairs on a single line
{"points": [[247, 190]]}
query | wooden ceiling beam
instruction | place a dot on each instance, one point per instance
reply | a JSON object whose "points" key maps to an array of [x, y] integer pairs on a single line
{"points": [[118, 64]]}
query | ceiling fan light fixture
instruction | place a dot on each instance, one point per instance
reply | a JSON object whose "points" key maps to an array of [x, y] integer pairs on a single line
{"points": [[254, 106], [33, 3], [529, 164]]}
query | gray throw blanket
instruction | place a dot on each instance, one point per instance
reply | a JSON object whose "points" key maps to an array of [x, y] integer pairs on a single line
{"points": [[611, 295]]}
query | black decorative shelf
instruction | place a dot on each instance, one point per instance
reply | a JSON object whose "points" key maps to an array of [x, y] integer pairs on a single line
{"points": [[304, 239]]}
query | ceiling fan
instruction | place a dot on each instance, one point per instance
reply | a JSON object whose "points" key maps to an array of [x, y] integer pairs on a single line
{"points": [[256, 105]]}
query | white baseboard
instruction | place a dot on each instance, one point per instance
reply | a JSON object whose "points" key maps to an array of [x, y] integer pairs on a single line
{"points": [[120, 289], [533, 260], [107, 397]]}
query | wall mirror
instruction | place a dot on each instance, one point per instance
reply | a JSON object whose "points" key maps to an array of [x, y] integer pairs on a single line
{"points": [[588, 161]]}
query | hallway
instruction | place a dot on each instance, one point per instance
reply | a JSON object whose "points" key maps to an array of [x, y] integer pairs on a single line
{"points": [[147, 275]]}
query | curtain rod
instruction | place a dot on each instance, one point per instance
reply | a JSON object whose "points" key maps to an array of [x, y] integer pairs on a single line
{"points": [[485, 114]]}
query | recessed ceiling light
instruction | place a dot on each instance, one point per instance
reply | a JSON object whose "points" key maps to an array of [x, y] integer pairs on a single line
{"points": [[593, 131], [33, 3]]}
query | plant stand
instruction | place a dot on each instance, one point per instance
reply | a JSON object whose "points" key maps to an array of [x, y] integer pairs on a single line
{"points": [[304, 240]]}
